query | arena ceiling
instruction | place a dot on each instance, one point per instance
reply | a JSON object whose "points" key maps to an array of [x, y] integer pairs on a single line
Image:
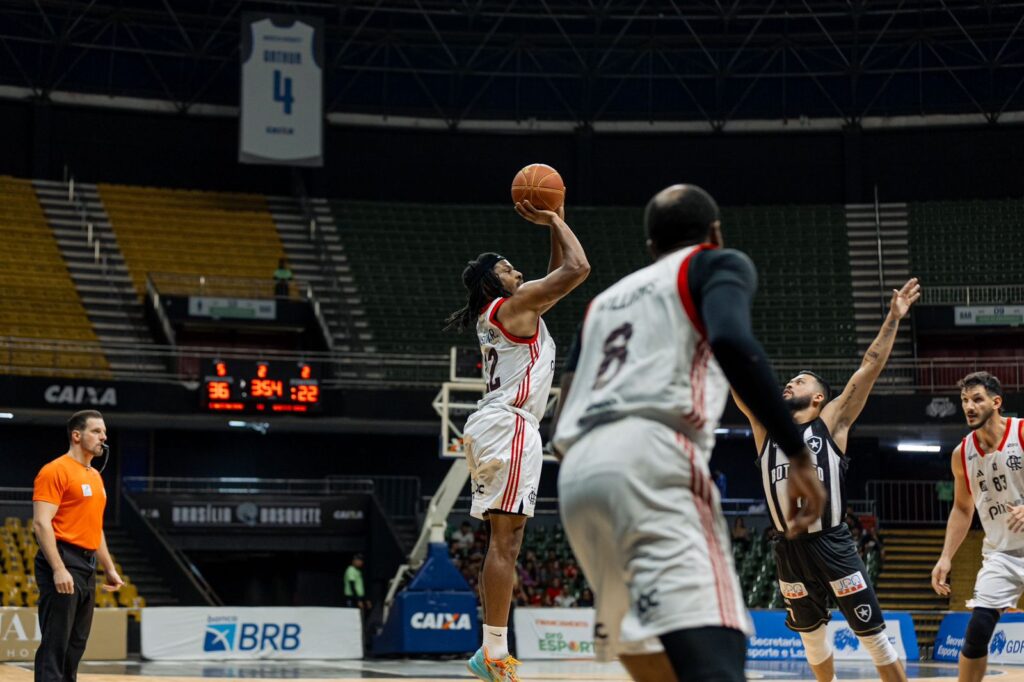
{"points": [[711, 65]]}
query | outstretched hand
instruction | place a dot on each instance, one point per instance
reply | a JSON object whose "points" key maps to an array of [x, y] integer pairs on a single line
{"points": [[539, 216], [904, 298]]}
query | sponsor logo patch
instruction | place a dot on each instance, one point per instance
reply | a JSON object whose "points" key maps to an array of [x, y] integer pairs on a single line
{"points": [[863, 612], [848, 585], [792, 590]]}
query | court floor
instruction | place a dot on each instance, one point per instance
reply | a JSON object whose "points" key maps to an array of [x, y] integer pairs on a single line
{"points": [[413, 670]]}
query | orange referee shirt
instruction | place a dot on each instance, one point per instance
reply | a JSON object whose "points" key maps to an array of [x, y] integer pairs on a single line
{"points": [[78, 492]]}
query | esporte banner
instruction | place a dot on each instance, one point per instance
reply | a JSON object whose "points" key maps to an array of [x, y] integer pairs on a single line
{"points": [[773, 641], [554, 633], [198, 633], [20, 634], [1006, 645]]}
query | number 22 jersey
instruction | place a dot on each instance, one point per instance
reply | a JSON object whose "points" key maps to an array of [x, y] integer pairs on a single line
{"points": [[518, 370], [644, 354]]}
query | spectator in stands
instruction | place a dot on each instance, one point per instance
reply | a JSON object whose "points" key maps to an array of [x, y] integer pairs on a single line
{"points": [[586, 598], [535, 597], [282, 279], [526, 573], [571, 571], [565, 600], [463, 538], [68, 500], [554, 589], [852, 520], [355, 593], [740, 532], [720, 481]]}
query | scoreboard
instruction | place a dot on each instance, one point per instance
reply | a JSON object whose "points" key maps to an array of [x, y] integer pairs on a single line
{"points": [[259, 386]]}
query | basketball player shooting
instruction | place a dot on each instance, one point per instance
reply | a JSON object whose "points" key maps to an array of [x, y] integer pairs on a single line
{"points": [[825, 558], [659, 349], [986, 471], [502, 438]]}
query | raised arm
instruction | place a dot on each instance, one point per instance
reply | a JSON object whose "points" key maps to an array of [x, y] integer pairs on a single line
{"points": [[840, 413], [532, 299], [726, 282], [756, 427], [555, 259], [960, 517]]}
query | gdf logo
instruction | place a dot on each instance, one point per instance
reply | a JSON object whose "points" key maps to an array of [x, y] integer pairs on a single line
{"points": [[440, 621]]}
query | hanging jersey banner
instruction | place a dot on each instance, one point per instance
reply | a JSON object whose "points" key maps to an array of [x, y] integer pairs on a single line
{"points": [[282, 90]]}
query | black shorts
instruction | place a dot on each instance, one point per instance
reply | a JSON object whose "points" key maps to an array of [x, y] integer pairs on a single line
{"points": [[818, 570]]}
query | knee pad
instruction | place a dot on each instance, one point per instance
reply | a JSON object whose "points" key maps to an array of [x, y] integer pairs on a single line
{"points": [[979, 632], [881, 649], [817, 648]]}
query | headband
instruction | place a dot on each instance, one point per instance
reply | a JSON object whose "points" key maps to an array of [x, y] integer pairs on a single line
{"points": [[482, 266]]}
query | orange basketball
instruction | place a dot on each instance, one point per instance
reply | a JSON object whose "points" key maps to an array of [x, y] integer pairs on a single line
{"points": [[539, 184]]}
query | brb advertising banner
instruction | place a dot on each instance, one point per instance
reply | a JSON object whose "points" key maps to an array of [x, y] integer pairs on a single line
{"points": [[196, 633], [282, 90], [20, 634], [773, 641], [554, 633], [1006, 646]]}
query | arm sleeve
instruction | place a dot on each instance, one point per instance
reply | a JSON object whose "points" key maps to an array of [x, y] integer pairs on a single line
{"points": [[48, 486], [724, 283]]}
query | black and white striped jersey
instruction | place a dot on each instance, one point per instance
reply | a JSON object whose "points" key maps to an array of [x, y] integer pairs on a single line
{"points": [[831, 463]]}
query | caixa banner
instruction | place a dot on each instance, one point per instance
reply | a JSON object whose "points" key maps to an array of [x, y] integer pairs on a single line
{"points": [[187, 633], [773, 641], [1006, 645]]}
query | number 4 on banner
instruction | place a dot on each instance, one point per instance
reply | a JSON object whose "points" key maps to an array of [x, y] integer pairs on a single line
{"points": [[283, 95]]}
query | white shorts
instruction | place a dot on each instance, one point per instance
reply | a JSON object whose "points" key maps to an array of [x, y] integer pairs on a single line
{"points": [[504, 454], [999, 583], [649, 535]]}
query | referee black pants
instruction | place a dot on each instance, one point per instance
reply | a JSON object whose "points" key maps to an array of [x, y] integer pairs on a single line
{"points": [[64, 619]]}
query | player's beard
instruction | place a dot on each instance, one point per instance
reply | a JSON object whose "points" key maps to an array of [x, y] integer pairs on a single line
{"points": [[983, 418], [797, 403]]}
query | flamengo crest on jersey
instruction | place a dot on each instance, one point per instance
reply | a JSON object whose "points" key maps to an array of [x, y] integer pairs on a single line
{"points": [[996, 481], [518, 371], [644, 354], [831, 465]]}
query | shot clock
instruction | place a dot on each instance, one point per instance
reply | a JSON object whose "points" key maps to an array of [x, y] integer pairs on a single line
{"points": [[258, 386]]}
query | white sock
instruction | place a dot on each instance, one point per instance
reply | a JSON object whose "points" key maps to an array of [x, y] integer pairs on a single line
{"points": [[496, 642], [835, 679]]}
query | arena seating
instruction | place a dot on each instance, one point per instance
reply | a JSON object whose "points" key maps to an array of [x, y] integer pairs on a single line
{"points": [[18, 549], [408, 258], [192, 233], [40, 300], [546, 554], [957, 243]]}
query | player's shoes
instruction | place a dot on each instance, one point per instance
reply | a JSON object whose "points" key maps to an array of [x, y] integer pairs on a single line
{"points": [[493, 670]]}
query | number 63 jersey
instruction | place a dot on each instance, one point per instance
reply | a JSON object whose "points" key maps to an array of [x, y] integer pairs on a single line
{"points": [[996, 482], [518, 370], [644, 355]]}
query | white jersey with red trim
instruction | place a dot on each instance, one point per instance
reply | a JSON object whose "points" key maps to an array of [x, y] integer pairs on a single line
{"points": [[644, 354], [518, 371], [996, 481]]}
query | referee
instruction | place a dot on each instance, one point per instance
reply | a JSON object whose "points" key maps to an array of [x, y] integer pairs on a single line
{"points": [[67, 504]]}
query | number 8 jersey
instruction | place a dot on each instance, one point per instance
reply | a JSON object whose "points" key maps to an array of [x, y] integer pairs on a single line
{"points": [[644, 354], [518, 371]]}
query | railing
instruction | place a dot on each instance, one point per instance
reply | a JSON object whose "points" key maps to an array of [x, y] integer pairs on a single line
{"points": [[16, 496], [973, 295], [182, 364], [182, 284], [398, 495], [924, 503]]}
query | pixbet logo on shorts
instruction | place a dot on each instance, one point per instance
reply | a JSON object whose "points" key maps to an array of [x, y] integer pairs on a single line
{"points": [[227, 634], [439, 621], [849, 585]]}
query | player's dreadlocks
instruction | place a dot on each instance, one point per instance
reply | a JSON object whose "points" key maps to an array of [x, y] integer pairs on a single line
{"points": [[482, 285]]}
